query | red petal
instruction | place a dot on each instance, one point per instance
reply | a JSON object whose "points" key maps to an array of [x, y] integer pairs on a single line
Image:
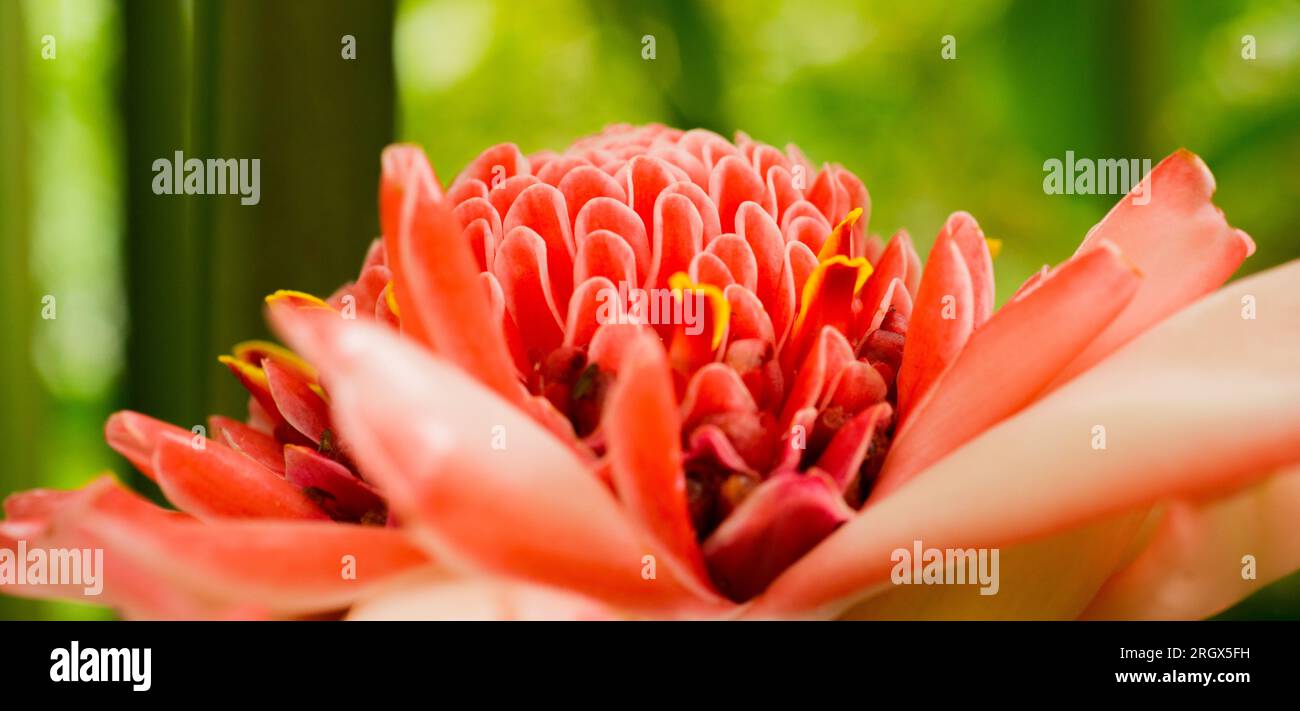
{"points": [[423, 434], [643, 432], [465, 190], [584, 183], [715, 389], [259, 447], [301, 406], [218, 482], [739, 258], [759, 229], [542, 209], [135, 436], [703, 205], [996, 374], [893, 264], [646, 179], [678, 237], [708, 269], [802, 264], [608, 214], [555, 170], [780, 186], [503, 160], [436, 277], [830, 353], [478, 209], [590, 300], [969, 238], [521, 269], [337, 490], [732, 183], [748, 318], [605, 254], [773, 527], [1180, 241], [941, 323], [502, 194], [847, 450]]}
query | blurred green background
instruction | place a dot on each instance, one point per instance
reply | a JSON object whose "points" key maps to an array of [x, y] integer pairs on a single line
{"points": [[150, 289]]}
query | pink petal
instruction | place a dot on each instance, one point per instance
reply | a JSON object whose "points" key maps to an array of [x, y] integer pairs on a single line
{"points": [[521, 270], [159, 563], [715, 389], [643, 432], [1180, 242], [847, 450], [584, 183], [503, 160], [590, 300], [541, 208], [1232, 395], [261, 448], [301, 406], [646, 179], [732, 183], [996, 375], [1192, 567], [425, 435], [335, 489], [969, 238], [135, 436], [436, 277], [774, 526], [942, 319], [218, 482], [438, 597], [602, 253], [604, 213], [739, 258], [678, 237]]}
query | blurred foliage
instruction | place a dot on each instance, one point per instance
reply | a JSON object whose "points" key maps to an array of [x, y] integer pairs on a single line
{"points": [[863, 84], [142, 318]]}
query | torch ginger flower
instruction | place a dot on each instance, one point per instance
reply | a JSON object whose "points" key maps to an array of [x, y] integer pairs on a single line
{"points": [[464, 428]]}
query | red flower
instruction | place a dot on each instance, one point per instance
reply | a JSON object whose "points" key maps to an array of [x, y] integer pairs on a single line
{"points": [[666, 375]]}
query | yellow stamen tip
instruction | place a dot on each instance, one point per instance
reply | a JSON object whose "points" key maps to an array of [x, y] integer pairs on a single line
{"points": [[390, 298], [681, 282], [831, 246], [244, 368], [814, 283], [248, 351], [995, 246], [290, 295]]}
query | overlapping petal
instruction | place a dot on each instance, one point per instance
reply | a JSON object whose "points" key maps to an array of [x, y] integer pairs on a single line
{"points": [[1232, 396], [526, 506]]}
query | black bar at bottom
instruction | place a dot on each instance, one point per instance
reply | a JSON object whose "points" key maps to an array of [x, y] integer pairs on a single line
{"points": [[308, 659]]}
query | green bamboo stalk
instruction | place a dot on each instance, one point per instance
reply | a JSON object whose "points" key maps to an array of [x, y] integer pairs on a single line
{"points": [[166, 368], [271, 83], [23, 405]]}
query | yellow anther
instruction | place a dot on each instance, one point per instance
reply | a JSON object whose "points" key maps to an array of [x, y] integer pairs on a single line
{"points": [[831, 246], [681, 282]]}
